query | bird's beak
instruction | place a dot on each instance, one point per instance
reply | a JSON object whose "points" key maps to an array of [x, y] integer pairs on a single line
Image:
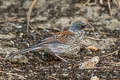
{"points": [[87, 27]]}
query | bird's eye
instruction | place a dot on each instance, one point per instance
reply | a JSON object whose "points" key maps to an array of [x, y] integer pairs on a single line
{"points": [[83, 26]]}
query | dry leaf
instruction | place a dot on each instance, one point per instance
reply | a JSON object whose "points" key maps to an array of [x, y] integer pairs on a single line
{"points": [[90, 63], [92, 48]]}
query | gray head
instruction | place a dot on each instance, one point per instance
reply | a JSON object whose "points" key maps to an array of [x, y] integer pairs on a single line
{"points": [[77, 26], [77, 29]]}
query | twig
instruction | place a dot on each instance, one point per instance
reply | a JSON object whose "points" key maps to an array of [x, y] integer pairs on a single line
{"points": [[112, 63], [29, 14], [98, 68], [93, 38], [110, 54], [118, 3], [109, 7]]}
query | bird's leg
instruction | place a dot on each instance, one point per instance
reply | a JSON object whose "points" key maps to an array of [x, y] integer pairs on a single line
{"points": [[60, 57]]}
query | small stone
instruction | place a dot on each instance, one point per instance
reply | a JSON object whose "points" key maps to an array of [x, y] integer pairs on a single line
{"points": [[102, 51], [94, 78], [19, 27], [21, 34], [12, 42], [53, 74], [65, 74]]}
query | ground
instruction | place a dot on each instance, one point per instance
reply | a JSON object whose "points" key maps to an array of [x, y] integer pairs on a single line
{"points": [[55, 15]]}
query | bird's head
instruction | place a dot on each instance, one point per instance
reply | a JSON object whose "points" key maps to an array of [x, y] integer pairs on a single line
{"points": [[77, 27]]}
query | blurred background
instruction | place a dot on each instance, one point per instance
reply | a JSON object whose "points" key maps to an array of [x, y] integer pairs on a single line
{"points": [[23, 24]]}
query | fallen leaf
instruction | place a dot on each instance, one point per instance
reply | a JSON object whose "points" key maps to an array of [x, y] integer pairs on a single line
{"points": [[92, 48], [90, 63]]}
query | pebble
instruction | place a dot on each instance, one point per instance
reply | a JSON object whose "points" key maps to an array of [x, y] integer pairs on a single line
{"points": [[19, 27]]}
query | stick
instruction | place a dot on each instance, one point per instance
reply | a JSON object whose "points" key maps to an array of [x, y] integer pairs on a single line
{"points": [[29, 14]]}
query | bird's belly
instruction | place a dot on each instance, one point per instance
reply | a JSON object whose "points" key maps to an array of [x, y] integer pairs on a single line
{"points": [[63, 49]]}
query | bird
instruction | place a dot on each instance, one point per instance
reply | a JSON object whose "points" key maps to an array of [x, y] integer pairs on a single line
{"points": [[63, 42]]}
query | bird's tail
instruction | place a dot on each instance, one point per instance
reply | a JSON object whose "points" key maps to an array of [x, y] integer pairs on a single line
{"points": [[24, 51]]}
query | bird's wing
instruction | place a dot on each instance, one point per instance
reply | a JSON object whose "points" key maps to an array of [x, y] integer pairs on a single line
{"points": [[63, 37]]}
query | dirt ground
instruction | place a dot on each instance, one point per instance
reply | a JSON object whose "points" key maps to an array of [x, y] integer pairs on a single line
{"points": [[55, 15]]}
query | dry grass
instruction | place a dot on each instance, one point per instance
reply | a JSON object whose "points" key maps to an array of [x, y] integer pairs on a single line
{"points": [[105, 2]]}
